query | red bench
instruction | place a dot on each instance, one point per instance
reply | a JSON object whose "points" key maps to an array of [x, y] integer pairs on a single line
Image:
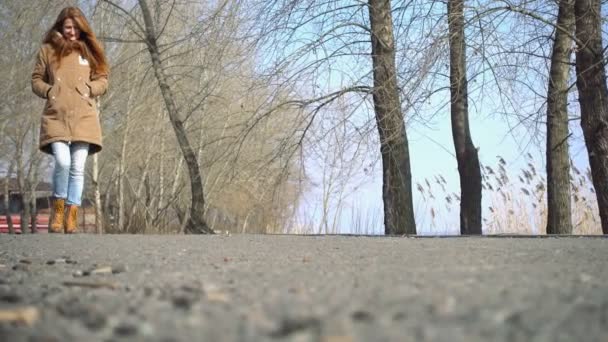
{"points": [[42, 223]]}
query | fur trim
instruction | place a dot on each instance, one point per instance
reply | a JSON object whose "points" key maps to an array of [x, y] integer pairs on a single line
{"points": [[65, 47]]}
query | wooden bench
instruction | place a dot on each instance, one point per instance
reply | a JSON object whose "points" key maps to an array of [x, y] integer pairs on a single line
{"points": [[42, 224]]}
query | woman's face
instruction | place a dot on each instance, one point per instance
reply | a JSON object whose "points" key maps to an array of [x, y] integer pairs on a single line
{"points": [[70, 31]]}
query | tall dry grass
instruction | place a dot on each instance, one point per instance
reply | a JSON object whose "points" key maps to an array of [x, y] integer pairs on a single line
{"points": [[514, 203]]}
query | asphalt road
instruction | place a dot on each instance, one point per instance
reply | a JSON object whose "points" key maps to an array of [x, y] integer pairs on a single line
{"points": [[302, 288]]}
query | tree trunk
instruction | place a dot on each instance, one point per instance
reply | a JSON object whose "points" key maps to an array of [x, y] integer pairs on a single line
{"points": [[396, 172], [23, 190], [122, 165], [7, 198], [25, 212], [559, 217], [34, 212], [466, 153], [97, 192], [33, 181], [110, 201], [172, 197], [593, 98], [96, 185], [33, 216], [161, 176], [196, 222]]}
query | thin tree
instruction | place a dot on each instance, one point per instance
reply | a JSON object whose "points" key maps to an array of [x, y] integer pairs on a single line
{"points": [[196, 222], [466, 153], [593, 97], [396, 171], [7, 197], [559, 216]]}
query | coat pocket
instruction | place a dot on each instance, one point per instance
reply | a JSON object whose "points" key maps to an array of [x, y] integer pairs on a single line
{"points": [[51, 107], [84, 92]]}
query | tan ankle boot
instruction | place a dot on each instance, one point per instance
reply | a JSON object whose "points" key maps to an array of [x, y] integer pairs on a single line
{"points": [[71, 219], [58, 216]]}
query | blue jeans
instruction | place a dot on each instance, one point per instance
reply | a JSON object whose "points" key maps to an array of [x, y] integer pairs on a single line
{"points": [[68, 176]]}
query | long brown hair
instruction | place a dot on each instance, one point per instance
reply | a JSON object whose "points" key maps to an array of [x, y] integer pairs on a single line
{"points": [[87, 44]]}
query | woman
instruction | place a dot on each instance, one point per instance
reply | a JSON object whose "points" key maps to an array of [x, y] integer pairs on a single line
{"points": [[70, 73]]}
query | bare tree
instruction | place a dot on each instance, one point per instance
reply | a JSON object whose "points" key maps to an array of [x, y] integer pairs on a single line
{"points": [[149, 33], [196, 222], [21, 174], [207, 60], [466, 153], [559, 220], [7, 200], [34, 181], [593, 97], [396, 171], [97, 196]]}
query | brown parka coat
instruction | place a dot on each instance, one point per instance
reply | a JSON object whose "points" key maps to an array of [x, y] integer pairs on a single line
{"points": [[70, 89]]}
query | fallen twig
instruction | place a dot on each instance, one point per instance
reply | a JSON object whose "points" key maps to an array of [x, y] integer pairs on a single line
{"points": [[27, 315], [94, 285]]}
